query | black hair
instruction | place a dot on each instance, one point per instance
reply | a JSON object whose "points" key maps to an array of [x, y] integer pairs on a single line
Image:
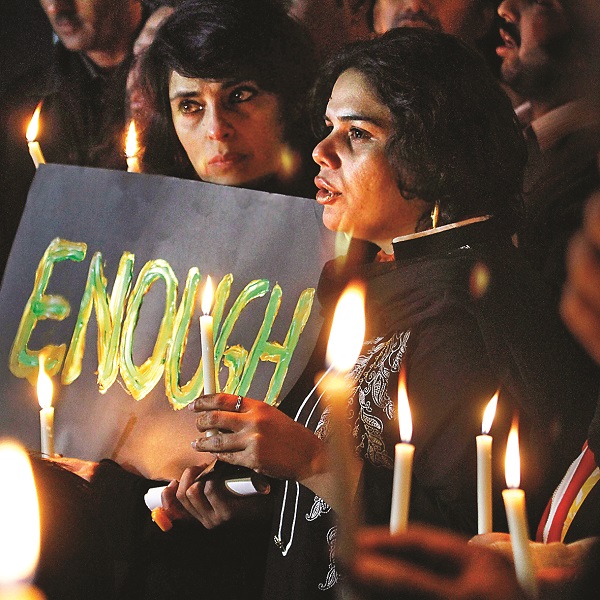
{"points": [[223, 40], [456, 139]]}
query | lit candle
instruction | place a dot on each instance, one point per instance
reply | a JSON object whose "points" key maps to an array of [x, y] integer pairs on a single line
{"points": [[403, 461], [44, 392], [34, 147], [19, 511], [484, 468], [345, 341], [514, 502], [132, 149], [208, 344]]}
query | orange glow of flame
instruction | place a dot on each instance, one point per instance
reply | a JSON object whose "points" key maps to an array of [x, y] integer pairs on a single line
{"points": [[32, 129], [347, 330], [131, 144], [512, 463], [489, 414], [44, 385], [404, 417], [207, 296], [20, 517]]}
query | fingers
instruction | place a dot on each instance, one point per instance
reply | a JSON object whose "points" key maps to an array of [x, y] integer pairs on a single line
{"points": [[224, 402], [387, 574], [416, 538], [228, 447], [171, 505], [190, 494], [490, 539], [580, 302], [219, 419]]}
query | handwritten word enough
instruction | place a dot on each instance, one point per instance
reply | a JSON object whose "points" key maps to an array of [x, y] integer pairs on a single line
{"points": [[117, 316]]}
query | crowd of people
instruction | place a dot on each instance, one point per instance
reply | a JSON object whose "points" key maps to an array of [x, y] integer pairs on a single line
{"points": [[457, 143]]}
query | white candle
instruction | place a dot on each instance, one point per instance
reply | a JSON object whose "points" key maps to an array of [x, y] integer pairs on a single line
{"points": [[403, 461], [208, 345], [44, 392], [484, 469], [514, 502], [20, 526], [132, 149], [34, 147], [345, 341]]}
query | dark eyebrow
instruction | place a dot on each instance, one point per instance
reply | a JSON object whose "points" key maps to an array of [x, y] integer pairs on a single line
{"points": [[226, 86], [182, 94], [363, 118]]}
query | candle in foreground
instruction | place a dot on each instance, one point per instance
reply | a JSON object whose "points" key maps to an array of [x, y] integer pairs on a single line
{"points": [[484, 469], [132, 149], [19, 512], [44, 392], [514, 502], [345, 341], [208, 344], [34, 147], [403, 461]]}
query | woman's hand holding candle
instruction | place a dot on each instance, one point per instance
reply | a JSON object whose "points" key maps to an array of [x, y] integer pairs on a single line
{"points": [[208, 344]]}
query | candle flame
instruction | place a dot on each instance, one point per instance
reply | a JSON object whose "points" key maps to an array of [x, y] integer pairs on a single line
{"points": [[404, 416], [131, 144], [44, 385], [207, 296], [489, 414], [19, 512], [32, 129], [512, 463], [347, 330]]}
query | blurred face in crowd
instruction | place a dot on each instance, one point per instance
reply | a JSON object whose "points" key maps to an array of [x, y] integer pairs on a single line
{"points": [[467, 19], [357, 185], [317, 16], [535, 38], [232, 131], [93, 25], [138, 108]]}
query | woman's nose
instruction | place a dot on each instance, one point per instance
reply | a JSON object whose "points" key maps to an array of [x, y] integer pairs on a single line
{"points": [[217, 124], [324, 154]]}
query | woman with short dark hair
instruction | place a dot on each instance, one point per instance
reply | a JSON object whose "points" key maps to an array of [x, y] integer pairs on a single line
{"points": [[228, 83], [421, 162]]}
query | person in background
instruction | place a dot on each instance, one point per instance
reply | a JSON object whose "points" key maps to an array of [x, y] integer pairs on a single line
{"points": [[82, 94], [349, 16], [545, 62], [228, 84], [470, 20], [431, 563], [137, 109]]}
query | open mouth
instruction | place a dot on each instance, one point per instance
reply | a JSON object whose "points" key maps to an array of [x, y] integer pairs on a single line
{"points": [[510, 35], [326, 193]]}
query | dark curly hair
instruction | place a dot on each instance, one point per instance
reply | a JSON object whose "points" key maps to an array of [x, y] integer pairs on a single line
{"points": [[456, 139], [223, 40]]}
